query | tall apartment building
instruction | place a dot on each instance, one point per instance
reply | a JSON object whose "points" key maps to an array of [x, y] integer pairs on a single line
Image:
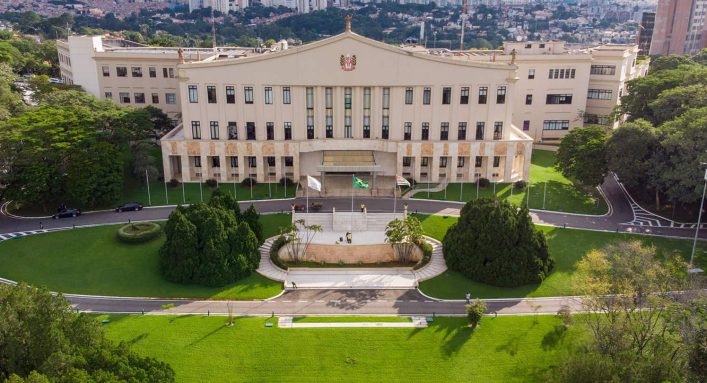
{"points": [[560, 88], [217, 5], [645, 33], [680, 27]]}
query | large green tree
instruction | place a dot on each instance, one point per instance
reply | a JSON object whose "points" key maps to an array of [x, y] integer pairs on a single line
{"points": [[496, 243], [673, 102], [582, 155], [42, 340]]}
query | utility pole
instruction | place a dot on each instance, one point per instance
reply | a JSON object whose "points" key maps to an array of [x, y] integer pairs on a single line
{"points": [[692, 268]]}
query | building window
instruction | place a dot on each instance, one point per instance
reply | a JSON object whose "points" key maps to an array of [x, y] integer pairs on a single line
{"points": [[234, 161], [480, 130], [446, 96], [501, 95], [248, 94], [171, 98], [385, 128], [526, 125], [289, 161], [443, 162], [596, 119], [425, 131], [288, 130], [460, 162], [155, 98], [407, 161], [483, 93], [153, 71], [286, 96], [464, 95], [121, 71], [558, 99], [137, 71], [497, 130], [250, 130], [252, 162], [408, 96], [124, 98], [270, 131], [556, 125], [215, 162], [426, 96], [461, 132], [348, 133], [425, 162], [606, 70], [106, 71], [599, 94], [309, 99], [232, 130], [478, 161], [496, 161], [197, 161], [565, 73], [211, 94], [108, 95], [444, 131], [366, 112], [213, 127], [193, 94], [270, 160], [230, 94], [139, 98], [268, 95], [196, 130], [531, 74], [329, 112], [528, 99], [407, 131]]}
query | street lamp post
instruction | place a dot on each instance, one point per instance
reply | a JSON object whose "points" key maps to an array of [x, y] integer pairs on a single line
{"points": [[692, 268]]}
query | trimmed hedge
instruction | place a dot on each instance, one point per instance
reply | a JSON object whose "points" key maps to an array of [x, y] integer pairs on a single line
{"points": [[139, 232], [274, 252], [426, 254]]}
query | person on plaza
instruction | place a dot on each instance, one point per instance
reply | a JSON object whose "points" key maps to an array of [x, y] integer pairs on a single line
{"points": [[348, 237], [363, 207], [468, 297]]}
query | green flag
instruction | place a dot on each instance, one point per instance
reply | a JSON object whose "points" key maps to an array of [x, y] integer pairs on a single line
{"points": [[359, 183]]}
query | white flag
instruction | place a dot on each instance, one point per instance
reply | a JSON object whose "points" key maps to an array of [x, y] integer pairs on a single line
{"points": [[314, 184], [400, 181]]}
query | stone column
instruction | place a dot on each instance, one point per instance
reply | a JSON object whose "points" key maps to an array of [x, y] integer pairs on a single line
{"points": [[508, 165], [186, 168]]}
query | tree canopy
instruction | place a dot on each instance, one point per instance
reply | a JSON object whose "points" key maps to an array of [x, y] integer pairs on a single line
{"points": [[42, 340], [495, 242], [582, 155]]}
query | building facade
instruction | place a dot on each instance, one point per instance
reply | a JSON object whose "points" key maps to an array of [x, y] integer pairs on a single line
{"points": [[346, 105], [645, 35], [680, 27]]}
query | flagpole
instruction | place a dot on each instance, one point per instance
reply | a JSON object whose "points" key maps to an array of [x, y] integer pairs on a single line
{"points": [[147, 182], [306, 193], [395, 195], [353, 189]]}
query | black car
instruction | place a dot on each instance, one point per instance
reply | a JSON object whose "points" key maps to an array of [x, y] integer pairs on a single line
{"points": [[67, 212], [130, 206]]}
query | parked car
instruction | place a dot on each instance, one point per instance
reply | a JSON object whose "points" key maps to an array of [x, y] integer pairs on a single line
{"points": [[130, 206], [67, 212]]}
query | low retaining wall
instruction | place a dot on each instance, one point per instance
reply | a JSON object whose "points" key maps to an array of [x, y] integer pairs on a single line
{"points": [[345, 253]]}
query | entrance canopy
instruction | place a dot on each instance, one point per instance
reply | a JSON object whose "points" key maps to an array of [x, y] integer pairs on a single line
{"points": [[349, 161]]}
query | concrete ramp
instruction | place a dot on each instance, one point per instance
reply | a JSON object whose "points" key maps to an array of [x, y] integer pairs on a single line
{"points": [[351, 278]]}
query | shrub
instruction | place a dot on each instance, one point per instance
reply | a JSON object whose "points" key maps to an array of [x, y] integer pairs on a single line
{"points": [[139, 232], [211, 182], [565, 314], [520, 185], [249, 182], [484, 182], [173, 183], [474, 312], [274, 252], [289, 181], [495, 242], [426, 254]]}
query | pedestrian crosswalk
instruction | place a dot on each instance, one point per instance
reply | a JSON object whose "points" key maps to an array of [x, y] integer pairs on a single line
{"points": [[643, 217], [19, 234]]}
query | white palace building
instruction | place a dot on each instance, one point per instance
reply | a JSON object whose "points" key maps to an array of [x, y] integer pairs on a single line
{"points": [[339, 106]]}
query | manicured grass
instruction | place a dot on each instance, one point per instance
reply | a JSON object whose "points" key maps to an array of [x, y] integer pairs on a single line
{"points": [[202, 349], [93, 261], [567, 247], [560, 194], [349, 319]]}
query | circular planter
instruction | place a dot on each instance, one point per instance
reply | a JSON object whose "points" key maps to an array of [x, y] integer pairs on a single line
{"points": [[139, 232]]}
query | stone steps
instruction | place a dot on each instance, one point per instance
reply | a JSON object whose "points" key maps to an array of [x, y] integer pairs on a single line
{"points": [[266, 268], [436, 266]]}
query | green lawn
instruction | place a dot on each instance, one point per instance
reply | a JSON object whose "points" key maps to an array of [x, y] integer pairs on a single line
{"points": [[93, 261], [202, 349], [559, 192], [349, 319], [567, 246]]}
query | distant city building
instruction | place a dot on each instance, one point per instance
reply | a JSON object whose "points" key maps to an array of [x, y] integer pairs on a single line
{"points": [[680, 27], [645, 35]]}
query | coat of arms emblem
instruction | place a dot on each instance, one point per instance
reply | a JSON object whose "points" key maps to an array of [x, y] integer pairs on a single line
{"points": [[347, 62]]}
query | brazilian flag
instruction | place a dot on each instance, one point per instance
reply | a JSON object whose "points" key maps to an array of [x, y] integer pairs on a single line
{"points": [[359, 183]]}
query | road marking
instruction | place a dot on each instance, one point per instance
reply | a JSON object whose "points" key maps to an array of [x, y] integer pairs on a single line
{"points": [[302, 301], [429, 301], [399, 301], [319, 301], [286, 301], [412, 300]]}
